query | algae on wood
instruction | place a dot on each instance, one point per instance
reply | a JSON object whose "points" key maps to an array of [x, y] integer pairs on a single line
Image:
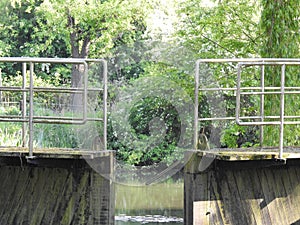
{"points": [[63, 192], [244, 192]]}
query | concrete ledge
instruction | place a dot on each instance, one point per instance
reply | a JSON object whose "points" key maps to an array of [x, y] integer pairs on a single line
{"points": [[249, 153], [54, 152]]}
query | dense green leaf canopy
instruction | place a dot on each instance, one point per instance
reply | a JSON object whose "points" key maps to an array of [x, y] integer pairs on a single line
{"points": [[118, 30]]}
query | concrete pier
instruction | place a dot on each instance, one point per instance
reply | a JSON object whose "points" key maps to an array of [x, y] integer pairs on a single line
{"points": [[242, 188], [57, 187]]}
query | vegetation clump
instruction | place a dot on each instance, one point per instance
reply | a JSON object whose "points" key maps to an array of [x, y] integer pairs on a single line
{"points": [[120, 32]]}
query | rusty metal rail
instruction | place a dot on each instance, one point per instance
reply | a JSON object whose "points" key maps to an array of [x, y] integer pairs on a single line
{"points": [[257, 120], [30, 119]]}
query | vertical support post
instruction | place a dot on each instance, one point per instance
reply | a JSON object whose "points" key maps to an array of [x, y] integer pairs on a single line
{"points": [[31, 85], [85, 94], [23, 106], [0, 85], [282, 84], [262, 104], [103, 189], [105, 104], [196, 105], [238, 94]]}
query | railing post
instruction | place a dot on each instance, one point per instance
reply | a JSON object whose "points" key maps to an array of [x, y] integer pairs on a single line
{"points": [[0, 85], [31, 133], [23, 106], [281, 111], [196, 105], [105, 104], [238, 94], [85, 92], [262, 104]]}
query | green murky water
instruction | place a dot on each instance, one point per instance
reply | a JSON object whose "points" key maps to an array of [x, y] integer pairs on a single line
{"points": [[155, 204]]}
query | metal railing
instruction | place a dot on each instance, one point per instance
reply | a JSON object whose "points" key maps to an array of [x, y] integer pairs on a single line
{"points": [[29, 91], [260, 120]]}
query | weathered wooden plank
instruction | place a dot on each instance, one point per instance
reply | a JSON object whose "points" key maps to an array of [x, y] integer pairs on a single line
{"points": [[248, 154], [244, 193], [201, 207], [293, 190], [53, 153], [270, 196], [49, 195]]}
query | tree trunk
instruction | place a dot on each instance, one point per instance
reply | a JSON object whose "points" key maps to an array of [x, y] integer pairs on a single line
{"points": [[77, 69]]}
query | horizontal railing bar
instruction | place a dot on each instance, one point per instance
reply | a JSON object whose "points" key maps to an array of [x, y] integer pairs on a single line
{"points": [[94, 119], [8, 118], [49, 60], [57, 118], [258, 123], [216, 118], [269, 92], [49, 89], [11, 117], [73, 90], [12, 120], [64, 90], [270, 63], [247, 88], [65, 118], [6, 88], [76, 121], [247, 117], [237, 60], [36, 119], [217, 89], [95, 89], [82, 121], [48, 121], [8, 103], [268, 123]]}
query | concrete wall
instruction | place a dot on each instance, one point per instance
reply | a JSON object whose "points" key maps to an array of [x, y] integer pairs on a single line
{"points": [[53, 191], [243, 192]]}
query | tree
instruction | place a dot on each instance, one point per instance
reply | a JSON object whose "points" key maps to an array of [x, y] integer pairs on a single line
{"points": [[78, 29], [225, 29], [20, 35], [280, 27], [17, 34], [152, 117], [89, 27], [281, 39]]}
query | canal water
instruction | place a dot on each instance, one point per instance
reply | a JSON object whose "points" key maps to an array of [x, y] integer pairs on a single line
{"points": [[154, 204]]}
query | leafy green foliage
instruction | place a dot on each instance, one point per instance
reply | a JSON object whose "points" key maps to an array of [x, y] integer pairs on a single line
{"points": [[55, 135], [41, 99], [90, 27], [235, 136], [228, 29], [154, 119], [281, 40], [117, 29], [22, 34], [281, 29]]}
